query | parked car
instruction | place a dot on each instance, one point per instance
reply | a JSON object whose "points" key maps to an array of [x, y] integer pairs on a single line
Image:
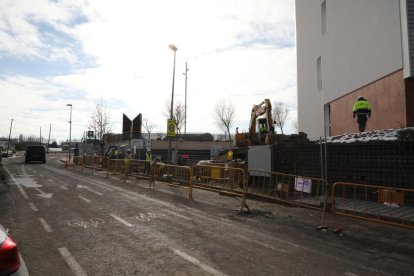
{"points": [[35, 153], [11, 263]]}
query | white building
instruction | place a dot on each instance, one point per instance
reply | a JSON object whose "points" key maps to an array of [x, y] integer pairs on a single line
{"points": [[351, 48]]}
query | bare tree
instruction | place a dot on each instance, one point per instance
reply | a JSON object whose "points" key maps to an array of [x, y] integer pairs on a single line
{"points": [[280, 114], [224, 115], [100, 121], [178, 114], [148, 126]]}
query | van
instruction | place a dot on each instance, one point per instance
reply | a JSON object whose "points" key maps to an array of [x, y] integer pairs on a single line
{"points": [[35, 153]]}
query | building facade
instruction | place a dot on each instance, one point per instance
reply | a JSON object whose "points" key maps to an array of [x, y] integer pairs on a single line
{"points": [[352, 48]]}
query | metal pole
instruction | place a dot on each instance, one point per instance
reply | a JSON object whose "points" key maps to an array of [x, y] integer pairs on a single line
{"points": [[8, 145], [40, 135], [48, 140], [172, 47], [70, 127], [185, 103]]}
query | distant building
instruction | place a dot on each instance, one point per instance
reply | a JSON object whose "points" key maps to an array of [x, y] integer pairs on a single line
{"points": [[352, 48]]}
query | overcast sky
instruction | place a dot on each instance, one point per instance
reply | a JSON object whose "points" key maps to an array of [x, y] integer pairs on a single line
{"points": [[54, 53]]}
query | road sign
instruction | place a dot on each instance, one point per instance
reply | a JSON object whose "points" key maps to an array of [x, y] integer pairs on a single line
{"points": [[171, 128], [138, 143], [147, 144]]}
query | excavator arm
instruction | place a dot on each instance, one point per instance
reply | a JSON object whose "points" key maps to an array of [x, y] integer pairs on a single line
{"points": [[265, 107]]}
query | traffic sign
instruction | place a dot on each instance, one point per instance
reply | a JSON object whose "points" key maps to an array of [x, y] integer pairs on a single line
{"points": [[171, 124]]}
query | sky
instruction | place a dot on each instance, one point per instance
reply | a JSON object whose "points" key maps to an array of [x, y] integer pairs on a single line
{"points": [[82, 52]]}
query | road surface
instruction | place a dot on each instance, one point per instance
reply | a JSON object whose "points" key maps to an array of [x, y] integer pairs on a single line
{"points": [[68, 222]]}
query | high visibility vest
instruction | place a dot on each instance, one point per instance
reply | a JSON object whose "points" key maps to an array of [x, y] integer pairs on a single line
{"points": [[148, 156], [362, 106]]}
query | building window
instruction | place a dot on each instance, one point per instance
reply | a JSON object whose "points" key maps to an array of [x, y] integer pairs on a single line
{"points": [[319, 74], [323, 17]]}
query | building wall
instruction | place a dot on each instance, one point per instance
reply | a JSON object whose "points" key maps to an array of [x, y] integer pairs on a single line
{"points": [[387, 97], [362, 45]]}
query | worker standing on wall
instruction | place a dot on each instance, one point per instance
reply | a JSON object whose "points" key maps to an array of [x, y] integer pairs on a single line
{"points": [[362, 109]]}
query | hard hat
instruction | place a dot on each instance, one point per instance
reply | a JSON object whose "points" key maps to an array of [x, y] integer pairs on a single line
{"points": [[360, 98], [148, 150], [128, 150]]}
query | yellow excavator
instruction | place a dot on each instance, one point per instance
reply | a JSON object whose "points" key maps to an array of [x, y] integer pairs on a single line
{"points": [[265, 126]]}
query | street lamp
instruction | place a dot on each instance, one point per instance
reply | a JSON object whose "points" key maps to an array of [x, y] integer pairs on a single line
{"points": [[172, 47], [70, 125]]}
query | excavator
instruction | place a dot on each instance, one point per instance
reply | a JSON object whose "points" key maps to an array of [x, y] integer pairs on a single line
{"points": [[265, 126]]}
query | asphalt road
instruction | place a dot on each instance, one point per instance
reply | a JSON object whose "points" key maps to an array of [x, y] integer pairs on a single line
{"points": [[68, 222]]}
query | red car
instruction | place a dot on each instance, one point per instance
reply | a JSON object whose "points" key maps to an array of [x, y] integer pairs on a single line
{"points": [[11, 262]]}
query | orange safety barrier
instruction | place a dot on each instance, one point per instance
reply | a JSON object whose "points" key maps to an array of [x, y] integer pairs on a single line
{"points": [[138, 168], [172, 174], [288, 188], [388, 205], [222, 179], [116, 166]]}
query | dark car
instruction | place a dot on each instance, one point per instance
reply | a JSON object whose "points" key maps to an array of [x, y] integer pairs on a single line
{"points": [[35, 153], [11, 262]]}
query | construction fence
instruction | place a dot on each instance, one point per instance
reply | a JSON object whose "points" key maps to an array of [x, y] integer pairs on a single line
{"points": [[376, 203]]}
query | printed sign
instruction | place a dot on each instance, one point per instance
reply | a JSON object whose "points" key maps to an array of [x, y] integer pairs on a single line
{"points": [[303, 185]]}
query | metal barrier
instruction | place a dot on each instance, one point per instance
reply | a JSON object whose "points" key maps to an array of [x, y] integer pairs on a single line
{"points": [[116, 166], [172, 174], [386, 205], [293, 189], [222, 179], [94, 162], [138, 168], [78, 161]]}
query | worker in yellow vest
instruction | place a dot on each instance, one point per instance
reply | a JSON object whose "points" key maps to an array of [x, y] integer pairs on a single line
{"points": [[362, 109]]}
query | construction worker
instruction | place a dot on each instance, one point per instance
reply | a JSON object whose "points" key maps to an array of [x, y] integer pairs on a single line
{"points": [[148, 158], [127, 162], [362, 109], [229, 155]]}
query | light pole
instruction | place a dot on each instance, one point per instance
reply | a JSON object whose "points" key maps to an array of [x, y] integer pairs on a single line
{"points": [[185, 103], [172, 47], [70, 125]]}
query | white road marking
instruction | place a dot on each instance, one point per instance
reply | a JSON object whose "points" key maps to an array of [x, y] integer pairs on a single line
{"points": [[147, 198], [85, 199], [261, 244], [51, 180], [176, 214], [121, 220], [70, 260], [89, 189], [43, 194], [45, 225], [63, 187], [17, 184], [33, 207], [195, 261]]}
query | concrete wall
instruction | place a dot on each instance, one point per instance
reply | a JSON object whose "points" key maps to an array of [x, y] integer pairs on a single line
{"points": [[362, 44]]}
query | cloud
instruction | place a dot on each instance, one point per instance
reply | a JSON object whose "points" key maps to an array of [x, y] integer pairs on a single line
{"points": [[82, 51]]}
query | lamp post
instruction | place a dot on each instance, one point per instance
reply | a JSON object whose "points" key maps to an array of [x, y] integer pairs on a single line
{"points": [[70, 125], [185, 103], [174, 48]]}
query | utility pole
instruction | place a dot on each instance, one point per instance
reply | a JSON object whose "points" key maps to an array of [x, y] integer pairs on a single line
{"points": [[48, 141], [40, 135], [8, 145], [185, 103]]}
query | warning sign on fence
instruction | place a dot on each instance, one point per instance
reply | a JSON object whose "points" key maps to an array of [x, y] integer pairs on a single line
{"points": [[303, 185]]}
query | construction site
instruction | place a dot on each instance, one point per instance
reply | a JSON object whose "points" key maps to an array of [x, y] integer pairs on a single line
{"points": [[364, 175]]}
